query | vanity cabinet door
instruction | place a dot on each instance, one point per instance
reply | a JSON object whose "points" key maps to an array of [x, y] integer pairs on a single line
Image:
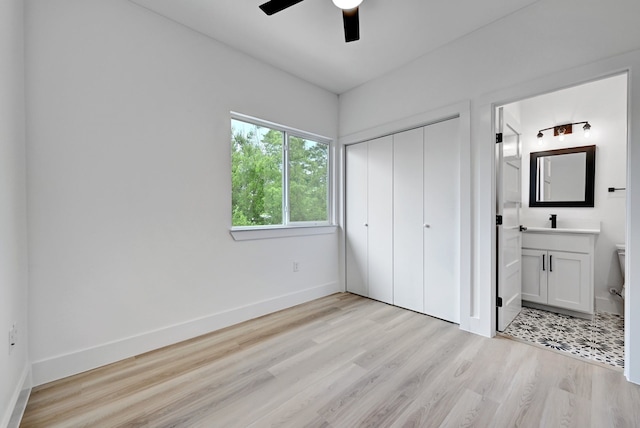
{"points": [[535, 264], [570, 281]]}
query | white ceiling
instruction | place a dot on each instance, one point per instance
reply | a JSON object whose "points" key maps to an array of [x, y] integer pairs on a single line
{"points": [[307, 40]]}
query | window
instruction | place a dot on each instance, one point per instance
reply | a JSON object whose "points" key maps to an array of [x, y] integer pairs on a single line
{"points": [[280, 177]]}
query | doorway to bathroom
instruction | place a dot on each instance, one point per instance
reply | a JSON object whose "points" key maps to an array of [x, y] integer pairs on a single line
{"points": [[561, 161]]}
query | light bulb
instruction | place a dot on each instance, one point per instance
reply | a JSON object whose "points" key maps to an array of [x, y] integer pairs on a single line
{"points": [[347, 4], [561, 137], [587, 130], [540, 138]]}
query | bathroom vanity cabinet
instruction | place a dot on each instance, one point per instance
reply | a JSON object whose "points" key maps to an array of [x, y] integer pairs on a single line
{"points": [[557, 268]]}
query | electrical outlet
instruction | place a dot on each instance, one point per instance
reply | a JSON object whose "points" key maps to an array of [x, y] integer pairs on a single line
{"points": [[296, 266]]}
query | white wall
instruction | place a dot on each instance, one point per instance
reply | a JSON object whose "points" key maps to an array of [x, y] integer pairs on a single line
{"points": [[547, 46], [129, 185], [604, 104], [13, 239]]}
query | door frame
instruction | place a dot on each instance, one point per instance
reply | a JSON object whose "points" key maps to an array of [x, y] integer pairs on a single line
{"points": [[550, 84]]}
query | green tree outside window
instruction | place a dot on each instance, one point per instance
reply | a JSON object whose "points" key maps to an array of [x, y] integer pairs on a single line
{"points": [[259, 196]]}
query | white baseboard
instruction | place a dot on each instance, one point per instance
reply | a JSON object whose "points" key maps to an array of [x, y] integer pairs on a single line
{"points": [[59, 367], [612, 304], [15, 410]]}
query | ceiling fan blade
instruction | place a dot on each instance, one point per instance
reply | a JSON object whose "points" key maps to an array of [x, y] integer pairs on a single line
{"points": [[351, 25], [275, 6]]}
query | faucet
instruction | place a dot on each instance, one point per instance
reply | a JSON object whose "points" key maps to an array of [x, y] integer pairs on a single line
{"points": [[554, 220]]}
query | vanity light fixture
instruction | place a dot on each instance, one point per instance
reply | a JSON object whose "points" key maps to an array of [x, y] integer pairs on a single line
{"points": [[561, 130]]}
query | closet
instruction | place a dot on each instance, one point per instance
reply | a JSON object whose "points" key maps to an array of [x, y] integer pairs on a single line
{"points": [[402, 219]]}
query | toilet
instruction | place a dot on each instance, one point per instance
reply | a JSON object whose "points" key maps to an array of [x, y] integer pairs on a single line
{"points": [[620, 249]]}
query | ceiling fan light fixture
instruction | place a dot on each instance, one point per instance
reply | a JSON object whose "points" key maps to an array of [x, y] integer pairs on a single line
{"points": [[347, 4], [350, 15]]}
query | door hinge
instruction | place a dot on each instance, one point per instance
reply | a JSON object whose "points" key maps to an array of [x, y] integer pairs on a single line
{"points": [[499, 302], [498, 220], [499, 138]]}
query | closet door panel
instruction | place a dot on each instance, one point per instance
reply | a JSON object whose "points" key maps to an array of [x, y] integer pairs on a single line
{"points": [[356, 218], [380, 219], [442, 215], [408, 289]]}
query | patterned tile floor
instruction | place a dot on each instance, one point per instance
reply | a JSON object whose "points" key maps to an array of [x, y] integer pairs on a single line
{"points": [[600, 339]]}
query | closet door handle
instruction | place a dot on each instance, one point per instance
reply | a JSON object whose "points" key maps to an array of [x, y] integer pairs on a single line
{"points": [[550, 263], [543, 256]]}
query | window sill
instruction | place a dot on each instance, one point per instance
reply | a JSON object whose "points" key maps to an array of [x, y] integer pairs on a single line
{"points": [[253, 233]]}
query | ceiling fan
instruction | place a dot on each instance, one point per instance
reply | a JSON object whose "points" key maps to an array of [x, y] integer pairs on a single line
{"points": [[349, 14]]}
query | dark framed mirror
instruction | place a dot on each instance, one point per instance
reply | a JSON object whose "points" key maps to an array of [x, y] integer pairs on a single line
{"points": [[563, 178]]}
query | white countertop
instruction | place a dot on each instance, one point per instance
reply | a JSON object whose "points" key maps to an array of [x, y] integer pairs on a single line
{"points": [[561, 230]]}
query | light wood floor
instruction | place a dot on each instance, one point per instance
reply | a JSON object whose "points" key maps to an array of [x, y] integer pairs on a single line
{"points": [[341, 361]]}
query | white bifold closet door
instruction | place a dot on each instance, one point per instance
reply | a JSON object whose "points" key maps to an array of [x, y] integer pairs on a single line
{"points": [[403, 219], [408, 224], [426, 212], [369, 219], [356, 189], [442, 216]]}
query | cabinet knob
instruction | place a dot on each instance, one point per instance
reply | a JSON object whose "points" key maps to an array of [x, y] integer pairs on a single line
{"points": [[366, 225], [427, 226]]}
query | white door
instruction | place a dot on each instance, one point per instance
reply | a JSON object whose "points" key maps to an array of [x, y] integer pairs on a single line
{"points": [[441, 207], [356, 190], [380, 219], [408, 281], [509, 235]]}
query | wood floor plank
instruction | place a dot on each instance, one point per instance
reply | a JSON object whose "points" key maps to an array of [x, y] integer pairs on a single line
{"points": [[341, 361], [564, 409], [471, 410]]}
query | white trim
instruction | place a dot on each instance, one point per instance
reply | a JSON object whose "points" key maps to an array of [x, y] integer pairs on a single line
{"points": [[82, 360], [13, 414], [466, 254], [611, 305], [283, 128], [415, 121], [252, 233]]}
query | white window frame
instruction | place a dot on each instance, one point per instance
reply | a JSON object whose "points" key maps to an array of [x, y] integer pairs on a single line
{"points": [[288, 228]]}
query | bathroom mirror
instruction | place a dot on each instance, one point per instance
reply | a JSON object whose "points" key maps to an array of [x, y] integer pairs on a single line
{"points": [[562, 178]]}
